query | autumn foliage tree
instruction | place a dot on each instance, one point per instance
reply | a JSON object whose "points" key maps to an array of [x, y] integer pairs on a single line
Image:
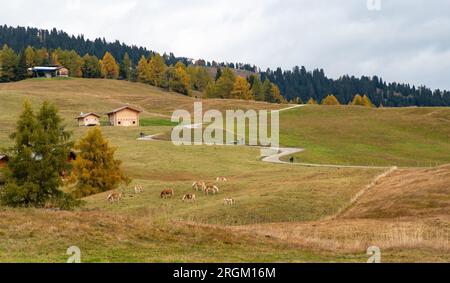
{"points": [[241, 89], [110, 68], [312, 101], [95, 170], [330, 100]]}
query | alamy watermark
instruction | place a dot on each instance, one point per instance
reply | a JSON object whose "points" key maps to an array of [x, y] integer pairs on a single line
{"points": [[238, 127]]}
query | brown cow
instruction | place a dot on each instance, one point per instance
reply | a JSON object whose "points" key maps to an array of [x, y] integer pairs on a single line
{"points": [[167, 193]]}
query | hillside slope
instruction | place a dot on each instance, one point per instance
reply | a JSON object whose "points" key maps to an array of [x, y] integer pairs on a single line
{"points": [[406, 213], [348, 135]]}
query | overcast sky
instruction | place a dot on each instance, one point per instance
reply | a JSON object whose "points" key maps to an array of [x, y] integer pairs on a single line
{"points": [[404, 40]]}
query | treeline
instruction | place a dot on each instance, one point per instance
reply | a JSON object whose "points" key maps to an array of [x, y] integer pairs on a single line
{"points": [[301, 85], [152, 70], [19, 37], [297, 85]]}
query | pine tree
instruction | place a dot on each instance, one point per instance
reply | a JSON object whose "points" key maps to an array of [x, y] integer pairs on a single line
{"points": [[126, 67], [257, 89], [110, 67], [8, 64], [91, 67], [330, 100], [95, 170], [22, 68], [38, 157], [218, 74]]}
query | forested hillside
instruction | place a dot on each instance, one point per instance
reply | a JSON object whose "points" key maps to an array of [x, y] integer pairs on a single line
{"points": [[28, 47]]}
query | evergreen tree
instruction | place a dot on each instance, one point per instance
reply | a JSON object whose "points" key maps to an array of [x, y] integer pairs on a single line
{"points": [[22, 68], [95, 170], [8, 64], [126, 67], [257, 88], [218, 74], [91, 67], [38, 157]]}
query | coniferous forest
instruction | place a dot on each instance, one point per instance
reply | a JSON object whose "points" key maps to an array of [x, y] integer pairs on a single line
{"points": [[83, 59]]}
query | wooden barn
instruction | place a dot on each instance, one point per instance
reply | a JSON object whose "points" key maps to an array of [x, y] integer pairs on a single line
{"points": [[126, 116], [88, 120], [49, 72]]}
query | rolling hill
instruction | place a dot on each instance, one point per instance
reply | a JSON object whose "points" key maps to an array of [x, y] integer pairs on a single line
{"points": [[280, 209]]}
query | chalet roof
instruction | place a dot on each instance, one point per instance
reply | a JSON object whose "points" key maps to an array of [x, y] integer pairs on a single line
{"points": [[124, 107], [84, 115], [48, 69]]}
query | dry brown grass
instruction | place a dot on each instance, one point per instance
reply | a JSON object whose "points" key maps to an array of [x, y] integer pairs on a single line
{"points": [[407, 193]]}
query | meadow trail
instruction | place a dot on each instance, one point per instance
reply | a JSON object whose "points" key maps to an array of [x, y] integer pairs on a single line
{"points": [[275, 158]]}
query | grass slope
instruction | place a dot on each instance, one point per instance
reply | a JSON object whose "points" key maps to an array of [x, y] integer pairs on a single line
{"points": [[361, 136], [278, 211]]}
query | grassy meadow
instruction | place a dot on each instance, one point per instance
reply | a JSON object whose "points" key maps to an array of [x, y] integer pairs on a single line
{"points": [[282, 211]]}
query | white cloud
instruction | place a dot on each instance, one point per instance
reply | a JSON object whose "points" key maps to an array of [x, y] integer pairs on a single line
{"points": [[405, 41]]}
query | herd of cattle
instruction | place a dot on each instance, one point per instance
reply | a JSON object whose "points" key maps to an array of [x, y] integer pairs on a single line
{"points": [[199, 186]]}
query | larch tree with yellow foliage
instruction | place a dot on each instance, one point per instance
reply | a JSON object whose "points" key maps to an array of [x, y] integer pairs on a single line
{"points": [[312, 101], [156, 69], [366, 102], [357, 100], [95, 170], [110, 68], [241, 89], [330, 100], [142, 70]]}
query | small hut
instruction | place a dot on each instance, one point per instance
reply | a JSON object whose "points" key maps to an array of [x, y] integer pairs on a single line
{"points": [[126, 116], [88, 120]]}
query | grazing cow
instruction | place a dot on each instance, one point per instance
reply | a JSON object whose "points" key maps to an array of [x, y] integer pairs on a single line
{"points": [[221, 179], [291, 159], [189, 197], [138, 189], [228, 201], [211, 188], [199, 186], [114, 197], [167, 193]]}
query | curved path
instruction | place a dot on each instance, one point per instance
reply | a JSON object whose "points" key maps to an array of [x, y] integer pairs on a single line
{"points": [[282, 151]]}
